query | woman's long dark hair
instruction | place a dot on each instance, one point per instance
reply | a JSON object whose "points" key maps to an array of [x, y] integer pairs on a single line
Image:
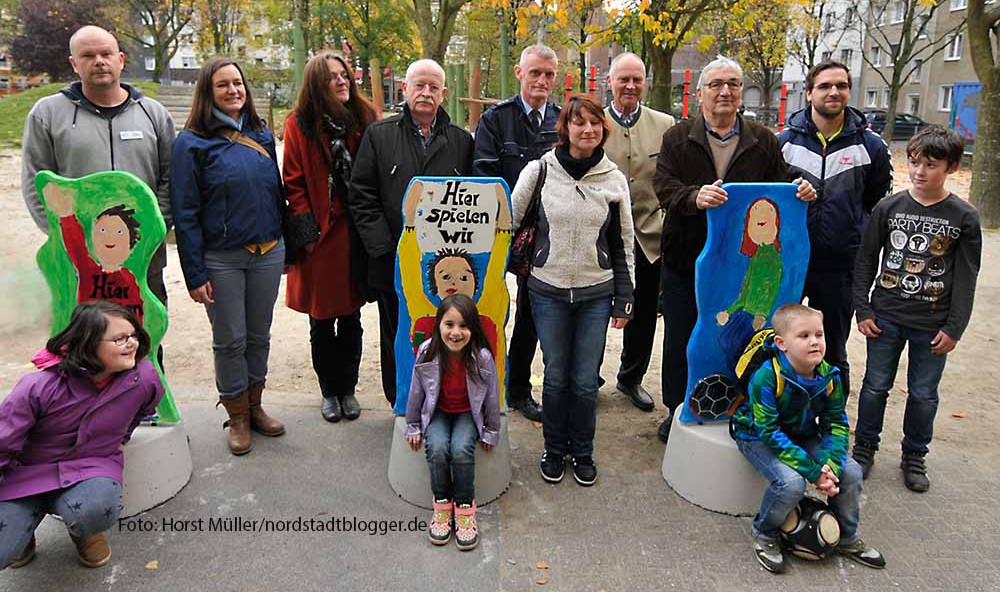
{"points": [[199, 120], [437, 350], [316, 100], [77, 344]]}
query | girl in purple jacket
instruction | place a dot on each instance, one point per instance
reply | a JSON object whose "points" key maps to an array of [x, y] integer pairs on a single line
{"points": [[62, 430], [454, 400]]}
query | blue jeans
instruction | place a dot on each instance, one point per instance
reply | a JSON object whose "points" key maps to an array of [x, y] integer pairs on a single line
{"points": [[923, 374], [88, 508], [788, 487], [450, 444], [572, 338]]}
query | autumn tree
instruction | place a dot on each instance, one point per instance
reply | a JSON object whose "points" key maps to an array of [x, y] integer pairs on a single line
{"points": [[581, 20], [753, 33], [156, 25], [903, 44], [42, 43], [984, 43], [219, 21], [379, 29], [436, 27]]}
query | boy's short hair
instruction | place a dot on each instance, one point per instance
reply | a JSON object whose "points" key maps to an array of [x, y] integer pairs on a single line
{"points": [[787, 313], [937, 142]]}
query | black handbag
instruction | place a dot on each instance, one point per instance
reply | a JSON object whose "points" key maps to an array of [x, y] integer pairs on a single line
{"points": [[522, 248]]}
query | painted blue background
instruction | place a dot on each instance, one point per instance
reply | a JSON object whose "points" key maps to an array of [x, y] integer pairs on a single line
{"points": [[719, 273]]}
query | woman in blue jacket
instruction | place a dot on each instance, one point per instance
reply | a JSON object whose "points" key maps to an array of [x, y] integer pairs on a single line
{"points": [[226, 193]]}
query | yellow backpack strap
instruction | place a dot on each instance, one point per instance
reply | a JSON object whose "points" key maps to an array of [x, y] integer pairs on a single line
{"points": [[829, 388], [779, 380]]}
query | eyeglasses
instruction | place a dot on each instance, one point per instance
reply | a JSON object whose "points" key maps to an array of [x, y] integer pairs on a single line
{"points": [[342, 76], [122, 340], [731, 84]]}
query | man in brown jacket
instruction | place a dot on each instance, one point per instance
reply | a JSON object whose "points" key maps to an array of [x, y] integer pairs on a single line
{"points": [[696, 157]]}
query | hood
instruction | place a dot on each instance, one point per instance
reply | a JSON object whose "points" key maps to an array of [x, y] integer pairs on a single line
{"points": [[45, 359], [74, 92], [854, 122], [824, 372]]}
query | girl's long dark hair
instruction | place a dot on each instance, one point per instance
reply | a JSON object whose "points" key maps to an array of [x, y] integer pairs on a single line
{"points": [[437, 350], [77, 344], [200, 119], [316, 100]]}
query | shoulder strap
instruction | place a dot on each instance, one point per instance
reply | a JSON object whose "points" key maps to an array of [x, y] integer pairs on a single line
{"points": [[779, 380], [239, 138], [540, 180]]}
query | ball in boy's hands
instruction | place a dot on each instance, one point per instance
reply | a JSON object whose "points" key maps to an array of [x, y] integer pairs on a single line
{"points": [[414, 441]]}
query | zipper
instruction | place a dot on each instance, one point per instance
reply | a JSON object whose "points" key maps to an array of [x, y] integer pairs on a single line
{"points": [[111, 143]]}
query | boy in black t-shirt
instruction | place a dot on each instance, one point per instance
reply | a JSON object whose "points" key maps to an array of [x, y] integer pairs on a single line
{"points": [[930, 242]]}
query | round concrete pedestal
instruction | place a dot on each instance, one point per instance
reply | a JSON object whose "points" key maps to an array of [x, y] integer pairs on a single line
{"points": [[157, 466], [703, 465], [411, 480]]}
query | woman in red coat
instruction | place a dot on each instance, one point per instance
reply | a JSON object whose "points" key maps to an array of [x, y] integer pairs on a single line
{"points": [[322, 135]]}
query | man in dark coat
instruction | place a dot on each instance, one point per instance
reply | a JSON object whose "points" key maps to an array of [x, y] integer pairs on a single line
{"points": [[421, 141]]}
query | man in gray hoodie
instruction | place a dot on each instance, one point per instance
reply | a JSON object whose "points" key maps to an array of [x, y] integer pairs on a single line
{"points": [[100, 124]]}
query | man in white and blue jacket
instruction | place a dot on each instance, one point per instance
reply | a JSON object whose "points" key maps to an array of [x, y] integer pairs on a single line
{"points": [[829, 144]]}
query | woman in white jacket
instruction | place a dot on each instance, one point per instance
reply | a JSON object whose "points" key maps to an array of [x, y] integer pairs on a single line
{"points": [[582, 277]]}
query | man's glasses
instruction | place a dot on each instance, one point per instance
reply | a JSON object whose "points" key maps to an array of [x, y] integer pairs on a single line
{"points": [[731, 84], [122, 340]]}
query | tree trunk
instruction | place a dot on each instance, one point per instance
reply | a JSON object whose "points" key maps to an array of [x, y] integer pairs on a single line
{"points": [[986, 160], [661, 60], [890, 110]]}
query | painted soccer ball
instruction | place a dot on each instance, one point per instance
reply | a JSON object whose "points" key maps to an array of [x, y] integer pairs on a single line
{"points": [[811, 530], [714, 397]]}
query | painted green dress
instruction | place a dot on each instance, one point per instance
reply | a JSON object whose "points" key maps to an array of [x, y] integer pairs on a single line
{"points": [[760, 284]]}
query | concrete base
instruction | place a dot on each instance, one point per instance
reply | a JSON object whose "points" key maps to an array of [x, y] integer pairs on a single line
{"points": [[703, 466], [411, 480], [157, 466]]}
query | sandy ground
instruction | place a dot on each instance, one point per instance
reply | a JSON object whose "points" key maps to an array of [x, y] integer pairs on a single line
{"points": [[969, 388]]}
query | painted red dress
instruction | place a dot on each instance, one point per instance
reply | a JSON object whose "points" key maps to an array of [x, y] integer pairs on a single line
{"points": [[119, 286]]}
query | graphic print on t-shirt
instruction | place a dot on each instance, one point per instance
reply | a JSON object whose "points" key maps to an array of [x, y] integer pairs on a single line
{"points": [[913, 264]]}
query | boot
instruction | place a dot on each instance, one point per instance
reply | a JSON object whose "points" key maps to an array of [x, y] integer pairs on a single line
{"points": [[466, 532], [864, 455], [93, 550], [349, 403], [915, 472], [260, 421], [238, 423]]}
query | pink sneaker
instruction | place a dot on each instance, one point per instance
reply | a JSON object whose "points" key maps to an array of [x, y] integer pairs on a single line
{"points": [[466, 533], [439, 532]]}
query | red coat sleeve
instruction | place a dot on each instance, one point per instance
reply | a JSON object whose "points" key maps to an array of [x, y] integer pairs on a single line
{"points": [[293, 168]]}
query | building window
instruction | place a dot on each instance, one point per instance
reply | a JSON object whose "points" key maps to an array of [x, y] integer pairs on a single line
{"points": [[913, 104], [898, 11], [944, 98], [959, 4], [954, 49], [827, 55], [917, 74], [828, 26], [845, 56], [849, 17], [188, 62], [871, 97], [885, 98], [880, 17], [150, 64], [876, 56]]}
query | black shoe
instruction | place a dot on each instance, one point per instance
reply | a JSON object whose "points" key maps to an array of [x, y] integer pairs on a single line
{"points": [[915, 472], [553, 467], [864, 454], [528, 408], [638, 395], [663, 432], [769, 554], [331, 409], [584, 470], [351, 407], [862, 553]]}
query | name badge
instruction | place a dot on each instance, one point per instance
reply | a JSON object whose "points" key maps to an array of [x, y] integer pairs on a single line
{"points": [[135, 135]]}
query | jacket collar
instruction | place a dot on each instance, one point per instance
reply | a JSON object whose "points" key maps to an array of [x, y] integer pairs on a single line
{"points": [[604, 166], [441, 120], [824, 372], [74, 92]]}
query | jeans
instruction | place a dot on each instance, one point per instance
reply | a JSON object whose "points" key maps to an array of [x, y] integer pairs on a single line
{"points": [[829, 291], [244, 287], [87, 508], [572, 338], [680, 313], [638, 334], [923, 374], [522, 346], [450, 444], [388, 321], [787, 487], [336, 353]]}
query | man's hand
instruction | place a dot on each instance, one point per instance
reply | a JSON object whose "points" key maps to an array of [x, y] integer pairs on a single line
{"points": [[711, 196], [805, 192], [202, 295], [414, 440], [618, 323], [942, 343], [486, 447], [869, 329]]}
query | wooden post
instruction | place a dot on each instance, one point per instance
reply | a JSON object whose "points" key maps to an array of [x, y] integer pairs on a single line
{"points": [[460, 114], [375, 73], [475, 92]]}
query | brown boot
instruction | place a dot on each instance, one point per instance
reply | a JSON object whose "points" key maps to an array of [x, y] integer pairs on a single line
{"points": [[92, 551], [238, 423], [260, 421]]}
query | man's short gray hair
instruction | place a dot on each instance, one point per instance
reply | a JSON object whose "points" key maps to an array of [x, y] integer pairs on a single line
{"points": [[424, 62], [543, 51], [719, 63], [622, 56]]}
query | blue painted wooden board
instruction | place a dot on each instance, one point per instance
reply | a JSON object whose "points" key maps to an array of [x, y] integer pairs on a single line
{"points": [[743, 274]]}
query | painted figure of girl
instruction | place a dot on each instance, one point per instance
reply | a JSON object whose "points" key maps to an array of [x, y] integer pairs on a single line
{"points": [[763, 277]]}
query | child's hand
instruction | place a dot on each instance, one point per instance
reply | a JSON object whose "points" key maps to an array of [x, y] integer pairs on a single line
{"points": [[59, 201], [942, 343], [869, 329], [486, 447], [827, 482], [414, 440]]}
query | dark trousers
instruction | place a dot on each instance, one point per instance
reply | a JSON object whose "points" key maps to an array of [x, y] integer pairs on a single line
{"points": [[637, 337], [680, 312], [829, 291], [336, 353], [388, 320], [521, 350]]}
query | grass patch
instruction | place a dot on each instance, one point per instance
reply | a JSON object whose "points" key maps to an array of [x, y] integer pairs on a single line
{"points": [[14, 108]]}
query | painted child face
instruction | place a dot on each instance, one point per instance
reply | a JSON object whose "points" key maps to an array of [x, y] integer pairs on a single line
{"points": [[454, 275], [762, 226], [114, 357], [803, 342], [110, 237], [454, 331]]}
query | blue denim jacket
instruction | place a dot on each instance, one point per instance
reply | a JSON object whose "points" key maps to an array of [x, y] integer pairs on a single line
{"points": [[484, 397]]}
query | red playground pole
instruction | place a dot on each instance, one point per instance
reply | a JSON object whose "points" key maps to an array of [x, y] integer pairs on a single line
{"points": [[781, 107], [687, 93], [592, 85], [569, 86]]}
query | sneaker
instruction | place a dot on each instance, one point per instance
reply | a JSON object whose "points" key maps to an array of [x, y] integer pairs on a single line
{"points": [[466, 532], [915, 472], [553, 467], [92, 551], [584, 470], [862, 553], [26, 556], [864, 454], [439, 531], [769, 554]]}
